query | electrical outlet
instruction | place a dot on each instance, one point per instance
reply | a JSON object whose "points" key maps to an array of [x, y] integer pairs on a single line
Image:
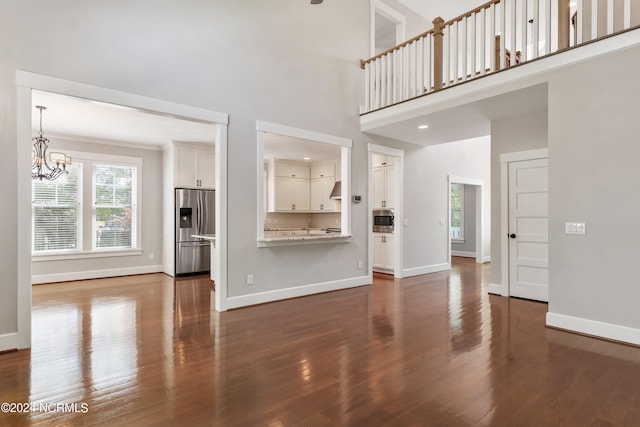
{"points": [[249, 279], [152, 255], [360, 265]]}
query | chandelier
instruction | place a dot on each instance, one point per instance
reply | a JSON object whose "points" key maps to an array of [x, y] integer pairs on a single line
{"points": [[40, 167]]}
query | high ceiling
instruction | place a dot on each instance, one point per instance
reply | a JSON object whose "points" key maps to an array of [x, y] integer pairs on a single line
{"points": [[431, 9]]}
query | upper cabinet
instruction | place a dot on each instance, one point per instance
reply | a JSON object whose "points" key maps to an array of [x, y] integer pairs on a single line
{"points": [[288, 187], [323, 170], [194, 165], [384, 179], [297, 187]]}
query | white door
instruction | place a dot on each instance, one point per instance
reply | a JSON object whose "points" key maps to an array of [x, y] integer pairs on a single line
{"points": [[528, 229]]}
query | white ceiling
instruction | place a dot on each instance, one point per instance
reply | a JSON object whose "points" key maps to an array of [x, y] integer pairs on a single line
{"points": [[431, 9], [289, 148], [467, 121], [93, 120]]}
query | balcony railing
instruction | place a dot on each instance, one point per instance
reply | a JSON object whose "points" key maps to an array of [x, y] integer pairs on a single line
{"points": [[497, 35]]}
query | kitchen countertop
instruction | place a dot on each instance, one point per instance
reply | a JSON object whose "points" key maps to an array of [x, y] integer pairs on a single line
{"points": [[292, 236], [210, 237]]}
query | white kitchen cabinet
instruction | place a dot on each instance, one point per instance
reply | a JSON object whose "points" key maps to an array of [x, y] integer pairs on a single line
{"points": [[383, 253], [323, 170], [288, 187], [384, 185], [291, 170], [194, 166], [320, 192]]}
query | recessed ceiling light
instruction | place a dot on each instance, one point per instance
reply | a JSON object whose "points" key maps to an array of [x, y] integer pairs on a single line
{"points": [[307, 158], [423, 126]]}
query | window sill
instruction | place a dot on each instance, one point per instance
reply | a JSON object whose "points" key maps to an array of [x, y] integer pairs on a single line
{"points": [[83, 255]]}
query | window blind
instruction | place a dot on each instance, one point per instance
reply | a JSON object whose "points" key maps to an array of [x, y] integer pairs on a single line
{"points": [[56, 209]]}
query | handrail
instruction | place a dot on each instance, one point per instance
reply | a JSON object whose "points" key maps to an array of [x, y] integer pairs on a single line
{"points": [[364, 62], [487, 5]]}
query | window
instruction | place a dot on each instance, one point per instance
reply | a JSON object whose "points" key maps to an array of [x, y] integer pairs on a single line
{"points": [[57, 210], [114, 213], [457, 212], [61, 207]]}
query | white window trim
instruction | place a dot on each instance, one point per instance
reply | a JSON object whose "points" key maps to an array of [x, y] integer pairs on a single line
{"points": [[88, 159]]}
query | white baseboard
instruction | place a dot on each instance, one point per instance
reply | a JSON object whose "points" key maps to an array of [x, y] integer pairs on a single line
{"points": [[463, 254], [9, 341], [294, 292], [486, 259], [594, 328], [95, 274], [417, 271], [496, 289]]}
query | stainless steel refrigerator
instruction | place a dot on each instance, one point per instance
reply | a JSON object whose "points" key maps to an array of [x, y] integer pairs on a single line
{"points": [[195, 214]]}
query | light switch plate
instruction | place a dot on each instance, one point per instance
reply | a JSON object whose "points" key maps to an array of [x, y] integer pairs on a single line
{"points": [[575, 228]]}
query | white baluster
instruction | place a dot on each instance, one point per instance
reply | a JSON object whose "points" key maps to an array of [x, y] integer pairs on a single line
{"points": [[465, 48], [455, 41], [514, 20], [492, 38], [474, 45], [427, 63], [609, 16], [420, 66], [536, 29], [483, 41], [524, 28], [412, 69], [627, 14], [383, 82], [447, 56], [390, 78], [367, 86], [503, 33], [376, 85], [547, 27], [580, 10], [594, 19], [405, 73]]}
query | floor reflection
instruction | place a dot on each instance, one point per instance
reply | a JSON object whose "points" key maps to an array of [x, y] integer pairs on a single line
{"points": [[426, 350]]}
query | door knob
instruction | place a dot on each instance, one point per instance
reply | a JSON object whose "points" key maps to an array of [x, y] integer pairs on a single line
{"points": [[512, 235]]}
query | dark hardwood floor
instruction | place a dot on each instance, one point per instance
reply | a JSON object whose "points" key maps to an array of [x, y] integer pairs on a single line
{"points": [[428, 350]]}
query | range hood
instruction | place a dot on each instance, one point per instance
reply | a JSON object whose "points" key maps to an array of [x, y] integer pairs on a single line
{"points": [[336, 193]]}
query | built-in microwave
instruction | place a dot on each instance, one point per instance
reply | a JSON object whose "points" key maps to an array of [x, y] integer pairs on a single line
{"points": [[383, 220]]}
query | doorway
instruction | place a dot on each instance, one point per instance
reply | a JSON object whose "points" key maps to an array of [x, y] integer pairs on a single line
{"points": [[387, 27], [469, 214], [386, 192], [28, 82]]}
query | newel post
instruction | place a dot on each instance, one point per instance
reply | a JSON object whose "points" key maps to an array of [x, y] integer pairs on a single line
{"points": [[563, 24], [438, 26]]}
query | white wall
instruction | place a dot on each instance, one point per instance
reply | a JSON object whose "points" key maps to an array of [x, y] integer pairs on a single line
{"points": [[426, 172], [151, 236], [594, 178], [280, 61]]}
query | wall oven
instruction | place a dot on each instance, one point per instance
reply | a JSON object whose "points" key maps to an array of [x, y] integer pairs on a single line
{"points": [[383, 221]]}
